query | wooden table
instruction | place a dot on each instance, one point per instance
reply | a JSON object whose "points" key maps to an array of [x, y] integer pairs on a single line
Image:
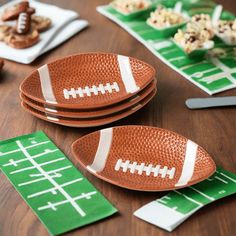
{"points": [[214, 129]]}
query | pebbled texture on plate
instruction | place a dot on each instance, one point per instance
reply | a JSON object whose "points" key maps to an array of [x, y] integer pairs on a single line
{"points": [[88, 80], [75, 113], [143, 158], [81, 123]]}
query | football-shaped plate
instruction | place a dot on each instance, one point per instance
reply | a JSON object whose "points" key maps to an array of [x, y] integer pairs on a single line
{"points": [[143, 158], [88, 80], [80, 123], [90, 113]]}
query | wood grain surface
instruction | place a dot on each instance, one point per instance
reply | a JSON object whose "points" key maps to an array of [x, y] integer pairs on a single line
{"points": [[214, 129]]}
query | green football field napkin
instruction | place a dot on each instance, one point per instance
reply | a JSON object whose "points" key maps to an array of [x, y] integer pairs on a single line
{"points": [[214, 73], [171, 210], [57, 192]]}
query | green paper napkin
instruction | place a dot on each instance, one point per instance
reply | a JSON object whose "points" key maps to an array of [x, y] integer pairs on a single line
{"points": [[174, 208], [57, 192]]}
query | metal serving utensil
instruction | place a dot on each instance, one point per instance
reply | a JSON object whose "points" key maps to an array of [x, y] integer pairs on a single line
{"points": [[199, 103]]}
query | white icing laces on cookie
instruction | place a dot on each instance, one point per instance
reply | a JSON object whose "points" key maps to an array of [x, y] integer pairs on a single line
{"points": [[145, 169], [89, 91], [22, 21]]}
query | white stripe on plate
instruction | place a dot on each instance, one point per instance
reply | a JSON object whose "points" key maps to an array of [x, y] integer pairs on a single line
{"points": [[126, 74], [52, 118], [46, 85], [102, 153], [51, 110], [189, 163]]}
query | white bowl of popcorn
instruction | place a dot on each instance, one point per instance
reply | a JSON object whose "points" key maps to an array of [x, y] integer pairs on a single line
{"points": [[226, 31]]}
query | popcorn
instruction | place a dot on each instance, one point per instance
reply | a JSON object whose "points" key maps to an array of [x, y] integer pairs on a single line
{"points": [[226, 30], [193, 38], [204, 32], [130, 6], [204, 21], [197, 35], [163, 17]]}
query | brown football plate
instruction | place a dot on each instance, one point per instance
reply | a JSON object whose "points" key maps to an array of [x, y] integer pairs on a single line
{"points": [[80, 123], [50, 110], [90, 80], [143, 158]]}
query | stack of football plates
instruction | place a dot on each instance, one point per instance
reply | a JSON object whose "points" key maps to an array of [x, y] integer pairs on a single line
{"points": [[88, 90]]}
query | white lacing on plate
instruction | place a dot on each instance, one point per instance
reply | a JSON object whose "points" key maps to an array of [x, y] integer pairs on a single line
{"points": [[89, 91], [22, 22], [147, 169]]}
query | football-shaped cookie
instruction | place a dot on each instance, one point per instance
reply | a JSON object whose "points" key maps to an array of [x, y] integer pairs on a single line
{"points": [[88, 80], [12, 12], [143, 158]]}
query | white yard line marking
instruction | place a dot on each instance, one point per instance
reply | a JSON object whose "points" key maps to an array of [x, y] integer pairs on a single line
{"points": [[167, 197], [227, 72], [14, 163], [53, 205], [203, 194], [141, 32], [161, 201], [194, 64], [169, 51], [36, 180], [222, 191], [190, 199], [226, 176], [54, 189], [33, 167], [55, 175], [18, 150], [135, 24], [176, 59], [46, 151], [225, 182], [51, 180], [209, 179], [200, 74], [52, 171], [161, 44]]}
